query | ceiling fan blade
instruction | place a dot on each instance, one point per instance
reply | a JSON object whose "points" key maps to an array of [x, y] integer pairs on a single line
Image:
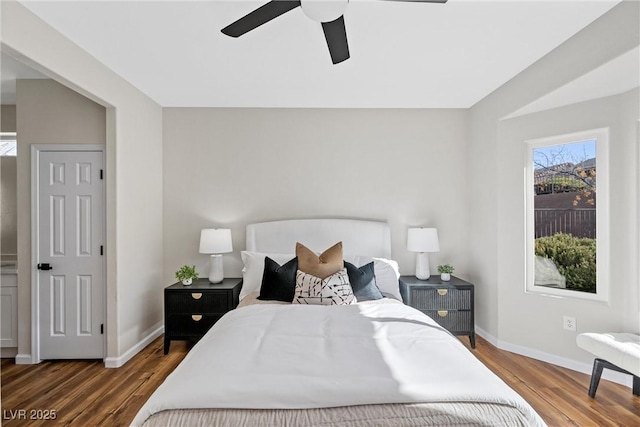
{"points": [[261, 15], [336, 35]]}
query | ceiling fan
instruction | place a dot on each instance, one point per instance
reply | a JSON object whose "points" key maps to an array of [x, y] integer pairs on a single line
{"points": [[330, 13]]}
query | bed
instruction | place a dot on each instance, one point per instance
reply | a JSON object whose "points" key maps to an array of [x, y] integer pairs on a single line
{"points": [[363, 363]]}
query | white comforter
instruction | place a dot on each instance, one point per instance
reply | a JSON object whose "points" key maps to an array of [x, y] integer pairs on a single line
{"points": [[300, 356]]}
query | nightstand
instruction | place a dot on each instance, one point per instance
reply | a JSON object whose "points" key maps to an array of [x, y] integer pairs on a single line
{"points": [[190, 311], [448, 303]]}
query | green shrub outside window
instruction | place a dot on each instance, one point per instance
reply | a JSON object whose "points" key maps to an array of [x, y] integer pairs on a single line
{"points": [[574, 257]]}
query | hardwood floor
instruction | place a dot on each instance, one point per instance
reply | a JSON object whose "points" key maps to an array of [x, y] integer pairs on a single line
{"points": [[560, 395], [85, 393]]}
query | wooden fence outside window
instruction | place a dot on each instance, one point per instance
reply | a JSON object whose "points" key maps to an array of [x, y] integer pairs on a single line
{"points": [[579, 222]]}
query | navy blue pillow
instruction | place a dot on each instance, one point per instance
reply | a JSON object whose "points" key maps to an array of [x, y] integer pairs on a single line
{"points": [[278, 281], [363, 282]]}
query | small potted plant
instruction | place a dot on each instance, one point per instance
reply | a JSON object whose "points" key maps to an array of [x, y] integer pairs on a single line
{"points": [[445, 272], [186, 274]]}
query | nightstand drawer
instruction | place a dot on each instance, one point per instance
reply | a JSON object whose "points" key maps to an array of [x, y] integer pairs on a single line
{"points": [[197, 302], [442, 298], [190, 311], [190, 325], [449, 303], [453, 321]]}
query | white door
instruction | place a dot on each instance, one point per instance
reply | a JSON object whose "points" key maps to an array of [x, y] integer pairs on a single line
{"points": [[70, 277]]}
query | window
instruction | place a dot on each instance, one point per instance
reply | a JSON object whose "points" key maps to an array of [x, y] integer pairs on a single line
{"points": [[8, 144], [567, 215]]}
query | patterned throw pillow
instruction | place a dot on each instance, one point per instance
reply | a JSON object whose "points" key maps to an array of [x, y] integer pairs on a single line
{"points": [[323, 265], [333, 290]]}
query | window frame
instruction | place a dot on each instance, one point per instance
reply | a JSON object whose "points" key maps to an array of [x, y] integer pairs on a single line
{"points": [[601, 135], [10, 137]]}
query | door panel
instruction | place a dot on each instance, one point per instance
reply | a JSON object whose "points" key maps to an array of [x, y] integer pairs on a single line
{"points": [[84, 305], [58, 307], [70, 233]]}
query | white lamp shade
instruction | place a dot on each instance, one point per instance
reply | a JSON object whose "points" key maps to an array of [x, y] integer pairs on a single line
{"points": [[215, 241], [423, 240]]}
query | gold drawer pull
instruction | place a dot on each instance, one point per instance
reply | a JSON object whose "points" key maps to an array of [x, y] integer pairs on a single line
{"points": [[442, 292], [196, 295], [443, 313], [196, 317]]}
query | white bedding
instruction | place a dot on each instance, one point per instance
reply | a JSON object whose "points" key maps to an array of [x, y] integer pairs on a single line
{"points": [[272, 356]]}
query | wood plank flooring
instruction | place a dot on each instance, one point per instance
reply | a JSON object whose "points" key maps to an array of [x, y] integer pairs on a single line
{"points": [[85, 393], [560, 395]]}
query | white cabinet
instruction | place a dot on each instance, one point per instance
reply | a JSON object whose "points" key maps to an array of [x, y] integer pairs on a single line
{"points": [[8, 310]]}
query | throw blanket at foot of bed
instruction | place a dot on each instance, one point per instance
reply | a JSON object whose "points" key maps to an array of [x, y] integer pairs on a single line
{"points": [[299, 357]]}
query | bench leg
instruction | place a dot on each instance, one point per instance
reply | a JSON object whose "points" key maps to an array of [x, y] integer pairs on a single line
{"points": [[598, 366]]}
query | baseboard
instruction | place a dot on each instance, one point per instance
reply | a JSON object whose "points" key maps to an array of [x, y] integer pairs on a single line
{"points": [[487, 336], [8, 352], [24, 359], [116, 362], [563, 362]]}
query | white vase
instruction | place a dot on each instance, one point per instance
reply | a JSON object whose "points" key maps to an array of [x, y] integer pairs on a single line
{"points": [[187, 282], [445, 277]]}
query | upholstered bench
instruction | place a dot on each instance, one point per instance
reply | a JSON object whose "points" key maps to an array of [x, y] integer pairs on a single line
{"points": [[619, 352]]}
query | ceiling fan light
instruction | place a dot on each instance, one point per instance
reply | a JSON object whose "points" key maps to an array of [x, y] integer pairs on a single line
{"points": [[324, 10]]}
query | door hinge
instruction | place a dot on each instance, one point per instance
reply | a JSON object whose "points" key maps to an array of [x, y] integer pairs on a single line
{"points": [[101, 174], [102, 328], [101, 250]]}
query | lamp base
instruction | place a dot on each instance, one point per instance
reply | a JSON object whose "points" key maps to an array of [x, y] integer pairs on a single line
{"points": [[422, 266], [216, 273]]}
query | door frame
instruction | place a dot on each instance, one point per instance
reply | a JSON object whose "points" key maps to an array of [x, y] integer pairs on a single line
{"points": [[36, 149]]}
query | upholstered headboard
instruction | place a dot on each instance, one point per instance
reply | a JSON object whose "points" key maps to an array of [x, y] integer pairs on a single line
{"points": [[369, 238]]}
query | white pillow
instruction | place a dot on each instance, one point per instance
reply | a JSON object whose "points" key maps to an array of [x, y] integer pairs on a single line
{"points": [[254, 269], [333, 290], [386, 271]]}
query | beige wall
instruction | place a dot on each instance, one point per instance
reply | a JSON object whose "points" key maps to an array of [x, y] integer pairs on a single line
{"points": [[529, 322], [541, 315], [133, 183], [7, 118], [50, 113], [231, 167], [8, 188]]}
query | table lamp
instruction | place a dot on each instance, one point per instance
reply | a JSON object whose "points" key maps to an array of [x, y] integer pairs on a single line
{"points": [[216, 241], [422, 241]]}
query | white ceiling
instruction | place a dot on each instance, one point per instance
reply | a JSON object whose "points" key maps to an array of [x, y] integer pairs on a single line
{"points": [[403, 55]]}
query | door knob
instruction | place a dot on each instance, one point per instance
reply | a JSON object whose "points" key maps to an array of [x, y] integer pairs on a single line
{"points": [[44, 266]]}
